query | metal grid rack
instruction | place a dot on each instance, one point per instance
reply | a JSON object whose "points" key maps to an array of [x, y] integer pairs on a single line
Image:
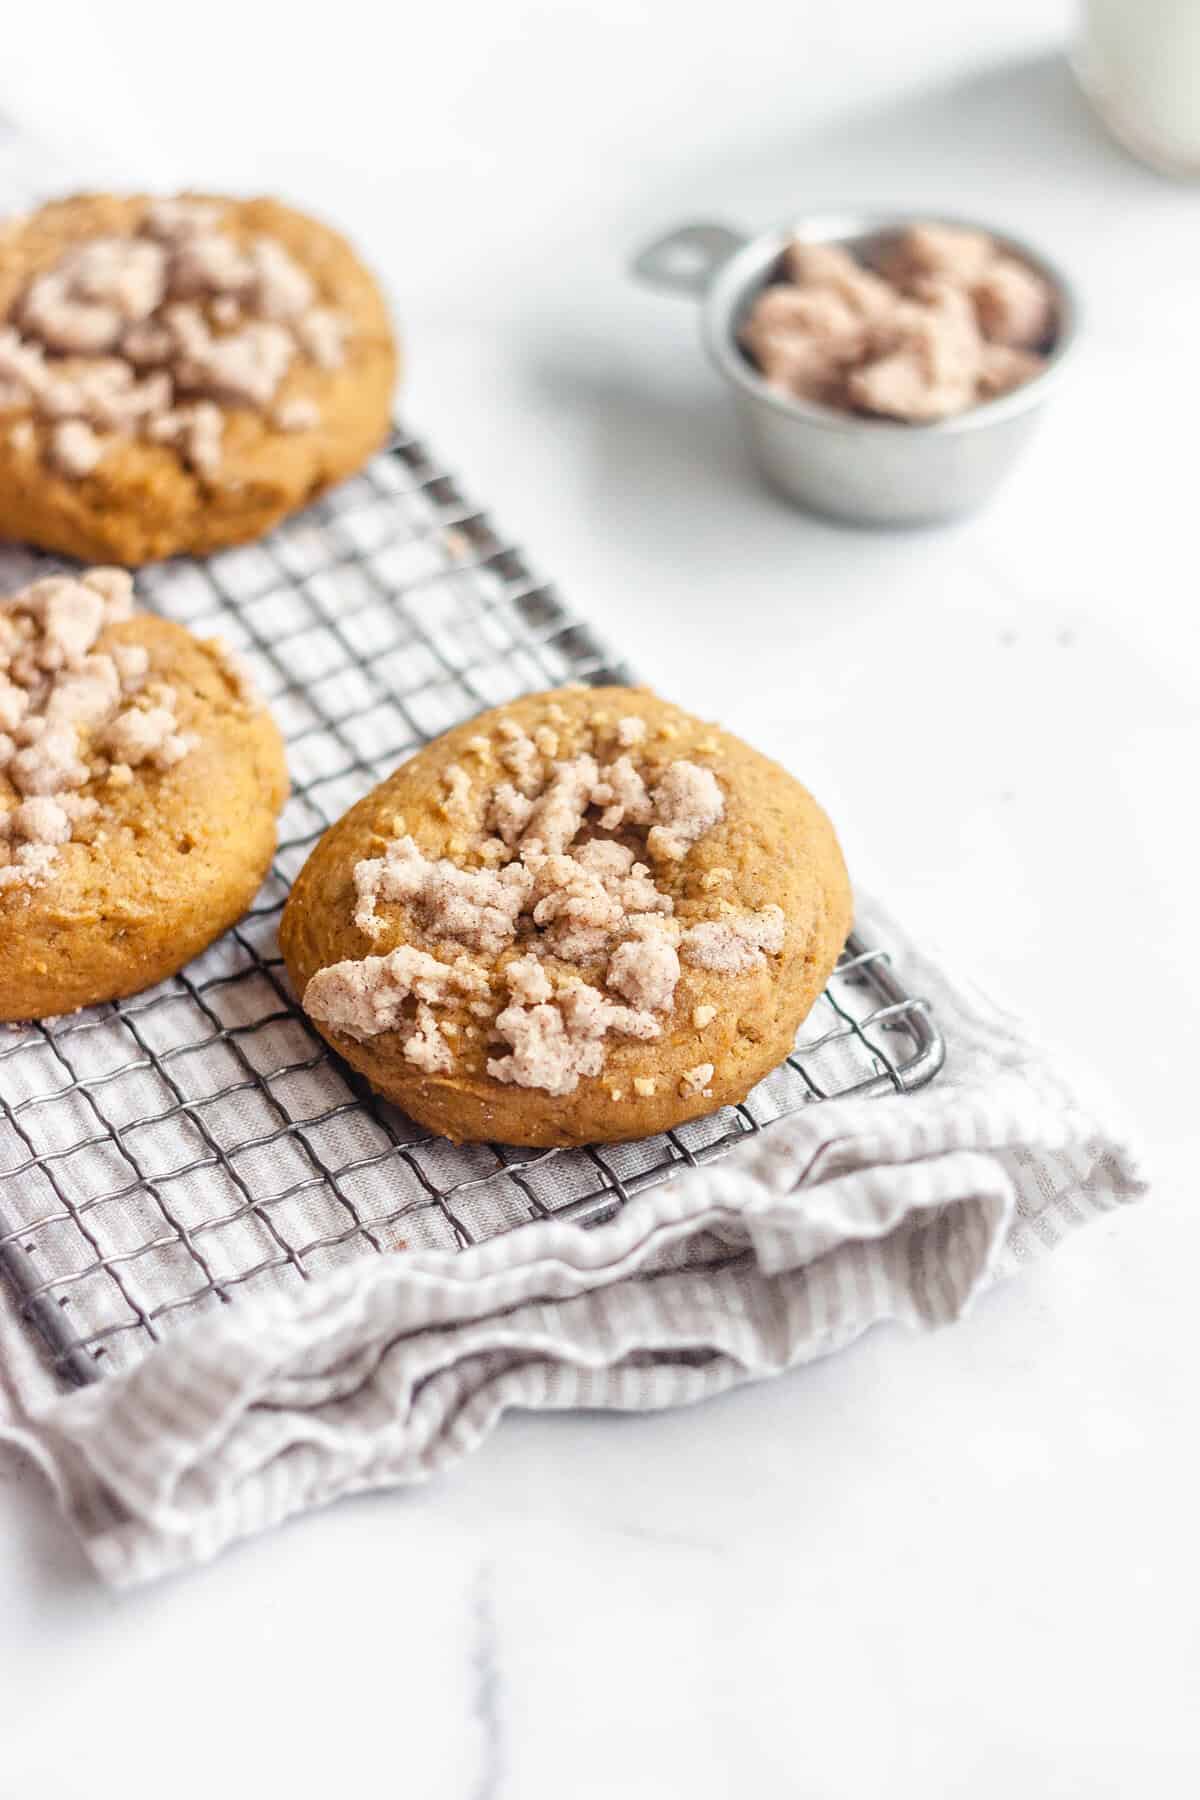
{"points": [[160, 1155]]}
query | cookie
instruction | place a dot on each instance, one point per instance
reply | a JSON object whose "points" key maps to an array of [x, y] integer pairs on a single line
{"points": [[179, 375], [584, 916], [140, 780]]}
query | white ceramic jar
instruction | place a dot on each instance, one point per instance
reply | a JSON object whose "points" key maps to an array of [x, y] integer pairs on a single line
{"points": [[1139, 63]]}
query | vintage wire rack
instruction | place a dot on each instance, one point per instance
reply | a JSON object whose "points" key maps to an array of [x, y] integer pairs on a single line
{"points": [[165, 1153]]}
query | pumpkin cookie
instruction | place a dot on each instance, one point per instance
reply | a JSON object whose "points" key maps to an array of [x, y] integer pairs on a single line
{"points": [[140, 780], [584, 916], [178, 375]]}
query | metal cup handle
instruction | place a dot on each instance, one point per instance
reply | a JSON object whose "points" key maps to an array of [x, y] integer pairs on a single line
{"points": [[685, 261]]}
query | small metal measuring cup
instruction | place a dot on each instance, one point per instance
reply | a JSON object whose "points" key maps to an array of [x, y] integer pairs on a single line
{"points": [[868, 471]]}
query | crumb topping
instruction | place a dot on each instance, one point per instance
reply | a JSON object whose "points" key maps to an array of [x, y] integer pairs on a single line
{"points": [[473, 907], [527, 981], [151, 335], [930, 368], [687, 803], [917, 339], [646, 971], [74, 448], [735, 944], [366, 996], [70, 713], [946, 252], [623, 796], [553, 1045], [1013, 304], [425, 1045], [554, 896]]}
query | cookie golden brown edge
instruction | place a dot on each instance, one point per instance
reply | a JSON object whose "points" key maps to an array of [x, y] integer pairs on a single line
{"points": [[769, 867], [162, 856], [144, 499]]}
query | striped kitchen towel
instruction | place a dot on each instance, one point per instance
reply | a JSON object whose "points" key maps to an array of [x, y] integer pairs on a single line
{"points": [[848, 1213]]}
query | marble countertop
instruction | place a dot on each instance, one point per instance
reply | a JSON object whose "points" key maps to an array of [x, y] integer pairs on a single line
{"points": [[958, 1564]]}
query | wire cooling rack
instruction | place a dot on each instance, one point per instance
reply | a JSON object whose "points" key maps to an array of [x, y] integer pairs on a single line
{"points": [[163, 1154]]}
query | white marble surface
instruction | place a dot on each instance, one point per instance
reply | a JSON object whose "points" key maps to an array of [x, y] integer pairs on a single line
{"points": [[963, 1564]]}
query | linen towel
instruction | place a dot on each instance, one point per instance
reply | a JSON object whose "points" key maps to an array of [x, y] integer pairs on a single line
{"points": [[846, 1214]]}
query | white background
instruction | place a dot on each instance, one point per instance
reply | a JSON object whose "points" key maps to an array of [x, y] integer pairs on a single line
{"points": [[958, 1565]]}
